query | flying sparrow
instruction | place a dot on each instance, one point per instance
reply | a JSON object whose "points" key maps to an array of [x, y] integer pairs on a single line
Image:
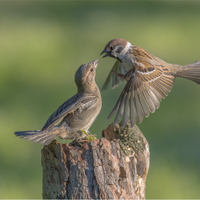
{"points": [[75, 116], [149, 79]]}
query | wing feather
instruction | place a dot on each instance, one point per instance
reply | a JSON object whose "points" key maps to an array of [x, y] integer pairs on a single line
{"points": [[116, 107], [151, 97], [133, 114], [143, 103], [148, 84], [118, 68], [121, 108], [126, 110], [67, 107], [148, 98], [138, 108]]}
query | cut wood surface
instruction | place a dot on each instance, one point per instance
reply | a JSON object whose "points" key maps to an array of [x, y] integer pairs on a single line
{"points": [[113, 167]]}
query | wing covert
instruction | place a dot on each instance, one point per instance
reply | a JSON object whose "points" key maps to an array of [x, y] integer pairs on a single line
{"points": [[67, 107]]}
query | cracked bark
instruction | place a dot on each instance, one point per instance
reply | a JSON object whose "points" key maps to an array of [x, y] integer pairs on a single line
{"points": [[113, 167]]}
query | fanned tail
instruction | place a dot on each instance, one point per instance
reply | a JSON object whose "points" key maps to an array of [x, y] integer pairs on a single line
{"points": [[191, 72], [38, 136]]}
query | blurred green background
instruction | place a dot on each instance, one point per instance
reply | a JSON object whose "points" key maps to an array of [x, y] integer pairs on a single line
{"points": [[41, 46]]}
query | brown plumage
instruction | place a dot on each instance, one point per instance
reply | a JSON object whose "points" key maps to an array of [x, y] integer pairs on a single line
{"points": [[149, 80], [76, 114]]}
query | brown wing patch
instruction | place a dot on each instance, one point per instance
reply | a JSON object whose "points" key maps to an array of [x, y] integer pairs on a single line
{"points": [[138, 51]]}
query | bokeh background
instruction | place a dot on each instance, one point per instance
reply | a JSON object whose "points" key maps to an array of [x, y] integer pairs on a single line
{"points": [[41, 46]]}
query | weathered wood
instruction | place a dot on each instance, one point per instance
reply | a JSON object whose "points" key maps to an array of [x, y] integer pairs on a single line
{"points": [[113, 167]]}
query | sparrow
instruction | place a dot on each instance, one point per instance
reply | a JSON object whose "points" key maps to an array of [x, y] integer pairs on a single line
{"points": [[149, 79], [75, 116]]}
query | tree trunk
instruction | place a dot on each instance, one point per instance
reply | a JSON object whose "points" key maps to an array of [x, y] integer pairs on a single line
{"points": [[113, 167]]}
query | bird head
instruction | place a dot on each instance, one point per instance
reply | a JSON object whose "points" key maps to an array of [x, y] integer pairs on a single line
{"points": [[115, 48], [85, 76]]}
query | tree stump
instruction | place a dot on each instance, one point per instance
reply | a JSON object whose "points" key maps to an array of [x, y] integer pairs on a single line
{"points": [[113, 167]]}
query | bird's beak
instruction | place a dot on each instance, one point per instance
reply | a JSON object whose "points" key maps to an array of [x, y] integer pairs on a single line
{"points": [[95, 63], [104, 51]]}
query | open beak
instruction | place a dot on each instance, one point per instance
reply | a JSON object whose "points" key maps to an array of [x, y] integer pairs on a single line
{"points": [[109, 54], [104, 51], [95, 63]]}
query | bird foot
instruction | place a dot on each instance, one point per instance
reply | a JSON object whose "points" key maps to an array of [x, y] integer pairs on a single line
{"points": [[90, 138], [123, 76], [120, 75]]}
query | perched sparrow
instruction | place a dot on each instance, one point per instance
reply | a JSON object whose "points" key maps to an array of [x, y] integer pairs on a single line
{"points": [[149, 79], [77, 113]]}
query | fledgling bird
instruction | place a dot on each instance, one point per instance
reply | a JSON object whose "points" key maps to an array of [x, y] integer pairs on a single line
{"points": [[74, 115], [149, 79]]}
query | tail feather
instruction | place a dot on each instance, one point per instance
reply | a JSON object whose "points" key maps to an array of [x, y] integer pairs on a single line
{"points": [[23, 134], [38, 136], [191, 72], [46, 139], [49, 140]]}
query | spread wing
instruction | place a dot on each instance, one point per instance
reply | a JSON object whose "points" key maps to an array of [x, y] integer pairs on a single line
{"points": [[118, 68], [147, 86], [68, 107]]}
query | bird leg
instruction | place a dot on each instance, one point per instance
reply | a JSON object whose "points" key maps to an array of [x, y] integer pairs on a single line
{"points": [[121, 76], [89, 137]]}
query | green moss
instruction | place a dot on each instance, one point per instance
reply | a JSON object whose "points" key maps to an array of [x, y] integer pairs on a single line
{"points": [[130, 139]]}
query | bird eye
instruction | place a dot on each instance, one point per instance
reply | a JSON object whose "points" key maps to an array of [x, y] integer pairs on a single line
{"points": [[111, 47], [91, 69]]}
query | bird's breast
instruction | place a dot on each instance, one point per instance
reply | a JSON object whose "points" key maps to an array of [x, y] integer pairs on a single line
{"points": [[127, 60]]}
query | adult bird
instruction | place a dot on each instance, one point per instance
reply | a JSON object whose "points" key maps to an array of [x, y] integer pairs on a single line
{"points": [[75, 116], [149, 79]]}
